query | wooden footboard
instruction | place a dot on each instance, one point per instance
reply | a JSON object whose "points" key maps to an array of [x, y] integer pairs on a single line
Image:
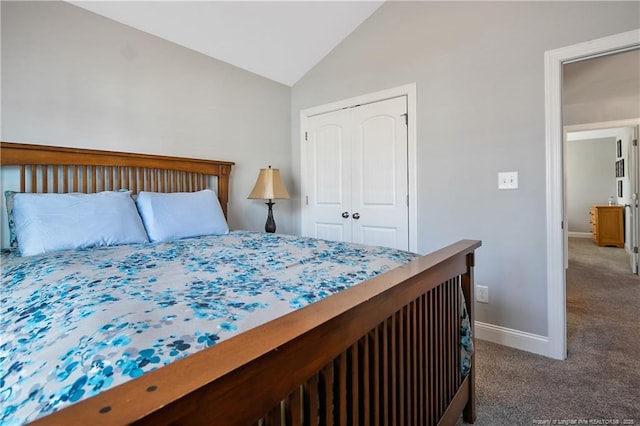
{"points": [[383, 352]]}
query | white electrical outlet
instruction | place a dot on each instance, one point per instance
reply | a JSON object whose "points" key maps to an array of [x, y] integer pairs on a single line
{"points": [[482, 294], [508, 180]]}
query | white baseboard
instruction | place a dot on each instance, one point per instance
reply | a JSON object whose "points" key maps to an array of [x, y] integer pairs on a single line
{"points": [[579, 234], [513, 338]]}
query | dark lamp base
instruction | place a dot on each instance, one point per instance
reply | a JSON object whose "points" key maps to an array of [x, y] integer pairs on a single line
{"points": [[270, 226]]}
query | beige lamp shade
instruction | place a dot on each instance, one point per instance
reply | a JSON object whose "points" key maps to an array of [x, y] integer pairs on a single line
{"points": [[269, 186]]}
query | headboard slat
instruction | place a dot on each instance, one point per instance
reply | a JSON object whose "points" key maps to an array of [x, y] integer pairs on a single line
{"points": [[85, 174], [22, 178], [45, 179], [126, 171], [111, 170], [34, 180], [65, 177], [56, 188], [74, 177], [134, 180]]}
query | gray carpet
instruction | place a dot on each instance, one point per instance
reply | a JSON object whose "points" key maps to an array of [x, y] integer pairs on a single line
{"points": [[599, 383]]}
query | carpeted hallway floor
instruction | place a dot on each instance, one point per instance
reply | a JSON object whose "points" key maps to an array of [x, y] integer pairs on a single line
{"points": [[599, 383]]}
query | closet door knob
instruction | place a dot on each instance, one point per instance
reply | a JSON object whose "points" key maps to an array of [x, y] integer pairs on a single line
{"points": [[356, 216], [345, 215]]}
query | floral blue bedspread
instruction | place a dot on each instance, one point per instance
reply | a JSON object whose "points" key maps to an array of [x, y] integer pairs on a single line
{"points": [[77, 322]]}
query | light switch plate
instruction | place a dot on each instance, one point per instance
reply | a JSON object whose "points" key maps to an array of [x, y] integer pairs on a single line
{"points": [[508, 180], [482, 294]]}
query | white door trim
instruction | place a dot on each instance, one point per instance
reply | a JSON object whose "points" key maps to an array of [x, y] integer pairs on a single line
{"points": [[408, 90], [556, 296]]}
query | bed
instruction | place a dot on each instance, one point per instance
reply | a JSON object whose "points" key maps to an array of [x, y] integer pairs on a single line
{"points": [[378, 337]]}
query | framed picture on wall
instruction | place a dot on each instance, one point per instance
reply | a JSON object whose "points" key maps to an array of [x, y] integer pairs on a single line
{"points": [[619, 188], [619, 148], [620, 168]]}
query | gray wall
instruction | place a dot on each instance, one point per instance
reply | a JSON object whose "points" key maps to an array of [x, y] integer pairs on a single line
{"points": [[73, 78], [479, 69], [590, 178]]}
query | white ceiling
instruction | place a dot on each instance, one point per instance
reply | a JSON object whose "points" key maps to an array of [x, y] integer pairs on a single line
{"points": [[279, 40]]}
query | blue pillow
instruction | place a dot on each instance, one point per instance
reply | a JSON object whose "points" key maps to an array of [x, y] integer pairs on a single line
{"points": [[51, 222], [172, 216]]}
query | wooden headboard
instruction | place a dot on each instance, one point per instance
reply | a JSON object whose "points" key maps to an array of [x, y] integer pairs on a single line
{"points": [[57, 169]]}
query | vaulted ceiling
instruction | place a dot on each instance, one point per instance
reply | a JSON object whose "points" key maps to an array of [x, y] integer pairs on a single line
{"points": [[279, 40]]}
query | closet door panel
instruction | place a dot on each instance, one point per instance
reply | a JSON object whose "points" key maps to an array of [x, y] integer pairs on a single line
{"points": [[328, 148], [380, 174], [376, 154], [328, 177]]}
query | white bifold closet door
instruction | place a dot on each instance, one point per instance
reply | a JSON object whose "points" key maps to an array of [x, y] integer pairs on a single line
{"points": [[355, 167]]}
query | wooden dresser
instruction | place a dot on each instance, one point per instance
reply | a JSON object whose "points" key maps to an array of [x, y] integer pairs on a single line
{"points": [[607, 225]]}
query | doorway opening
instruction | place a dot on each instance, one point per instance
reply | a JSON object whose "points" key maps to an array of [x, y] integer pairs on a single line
{"points": [[556, 214], [600, 182]]}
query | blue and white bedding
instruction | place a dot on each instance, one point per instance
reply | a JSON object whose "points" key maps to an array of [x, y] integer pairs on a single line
{"points": [[74, 323]]}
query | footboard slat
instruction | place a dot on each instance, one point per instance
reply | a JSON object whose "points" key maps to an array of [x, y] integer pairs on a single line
{"points": [[325, 384], [377, 379], [310, 399], [393, 361], [432, 377], [449, 385], [414, 392], [354, 403], [401, 367], [421, 380], [341, 388]]}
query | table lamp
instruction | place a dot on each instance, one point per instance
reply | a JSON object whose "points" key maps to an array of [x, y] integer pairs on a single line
{"points": [[269, 186]]}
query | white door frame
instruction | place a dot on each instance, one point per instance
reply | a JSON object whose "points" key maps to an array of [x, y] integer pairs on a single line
{"points": [[408, 90], [634, 180], [556, 284]]}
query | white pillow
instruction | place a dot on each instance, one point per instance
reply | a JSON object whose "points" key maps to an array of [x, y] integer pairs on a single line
{"points": [[49, 222], [171, 216]]}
